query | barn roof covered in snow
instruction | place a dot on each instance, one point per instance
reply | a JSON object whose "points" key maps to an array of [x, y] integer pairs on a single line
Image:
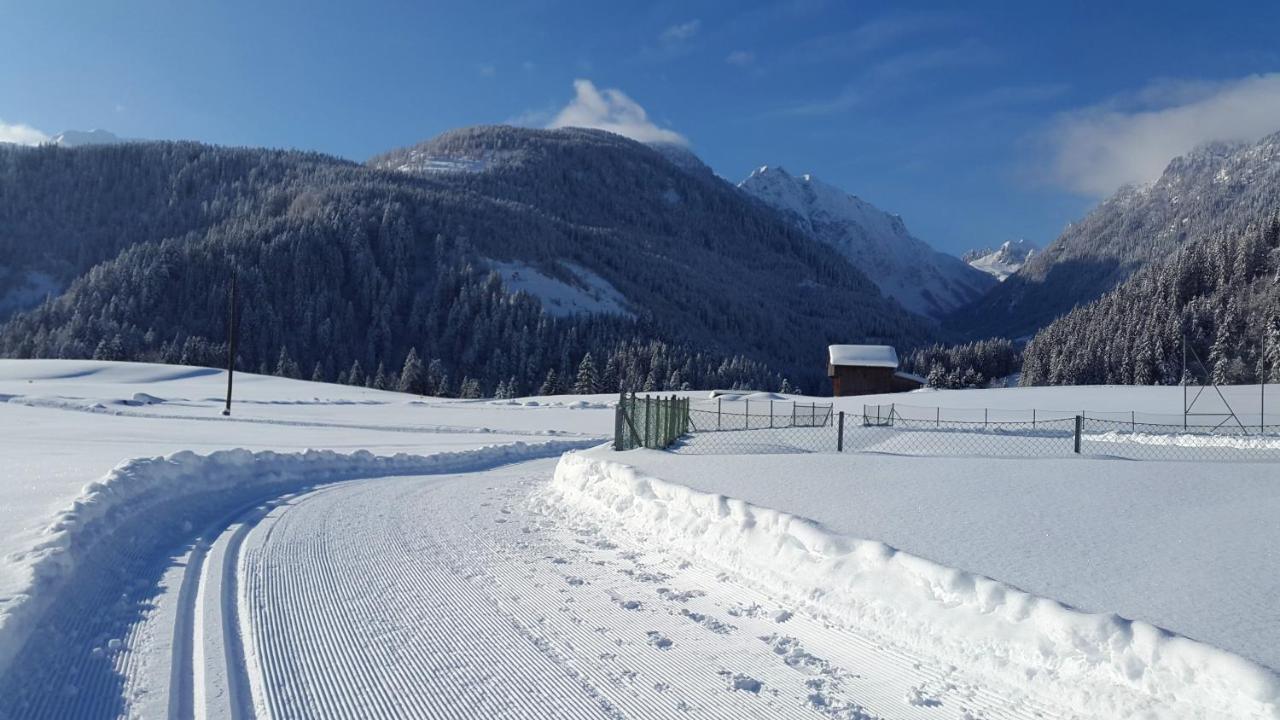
{"points": [[864, 355]]}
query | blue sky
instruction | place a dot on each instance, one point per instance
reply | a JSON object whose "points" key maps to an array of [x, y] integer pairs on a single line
{"points": [[977, 122]]}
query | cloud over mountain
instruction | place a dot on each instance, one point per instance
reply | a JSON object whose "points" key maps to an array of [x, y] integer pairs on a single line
{"points": [[1097, 149], [613, 110]]}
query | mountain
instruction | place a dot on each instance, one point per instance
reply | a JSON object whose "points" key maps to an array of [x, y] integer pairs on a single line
{"points": [[1217, 189], [80, 138], [507, 259], [904, 267], [1003, 261], [1219, 291]]}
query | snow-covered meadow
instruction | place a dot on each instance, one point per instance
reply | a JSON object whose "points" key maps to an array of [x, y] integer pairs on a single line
{"points": [[305, 555]]}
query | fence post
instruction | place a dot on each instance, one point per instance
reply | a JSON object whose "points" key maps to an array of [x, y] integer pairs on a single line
{"points": [[647, 412], [671, 421], [985, 415], [1079, 427], [1133, 422], [1033, 418], [617, 421], [793, 413], [771, 414], [719, 403], [840, 434], [747, 414], [939, 414]]}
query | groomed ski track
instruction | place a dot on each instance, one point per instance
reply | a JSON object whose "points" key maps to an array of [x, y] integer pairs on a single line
{"points": [[451, 596]]}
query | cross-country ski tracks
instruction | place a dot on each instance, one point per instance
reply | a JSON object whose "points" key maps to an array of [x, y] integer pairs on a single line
{"points": [[448, 596], [403, 598]]}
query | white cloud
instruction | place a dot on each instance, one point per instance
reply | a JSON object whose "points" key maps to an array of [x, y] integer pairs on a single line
{"points": [[610, 109], [21, 134], [1095, 150], [741, 58], [681, 32]]}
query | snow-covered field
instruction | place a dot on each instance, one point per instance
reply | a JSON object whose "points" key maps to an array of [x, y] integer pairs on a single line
{"points": [[337, 552]]}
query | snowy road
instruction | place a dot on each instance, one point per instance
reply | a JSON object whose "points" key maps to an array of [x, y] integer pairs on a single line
{"points": [[451, 596]]}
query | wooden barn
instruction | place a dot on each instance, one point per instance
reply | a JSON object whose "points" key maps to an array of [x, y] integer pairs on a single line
{"points": [[867, 370]]}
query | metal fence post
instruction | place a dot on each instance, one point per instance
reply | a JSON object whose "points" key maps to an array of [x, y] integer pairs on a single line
{"points": [[671, 421], [770, 414], [719, 404], [747, 413], [647, 413], [840, 434], [793, 413], [939, 414], [1079, 428], [617, 422]]}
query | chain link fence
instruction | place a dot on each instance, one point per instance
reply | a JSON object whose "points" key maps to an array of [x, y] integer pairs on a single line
{"points": [[772, 426]]}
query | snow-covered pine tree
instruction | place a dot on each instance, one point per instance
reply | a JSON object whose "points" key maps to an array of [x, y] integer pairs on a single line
{"points": [[286, 366], [469, 389], [587, 382], [413, 375], [551, 384]]}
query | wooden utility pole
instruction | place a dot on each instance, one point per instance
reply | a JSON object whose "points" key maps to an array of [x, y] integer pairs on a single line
{"points": [[231, 343]]}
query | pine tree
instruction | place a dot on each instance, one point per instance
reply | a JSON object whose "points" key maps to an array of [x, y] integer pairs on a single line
{"points": [[286, 366], [550, 385], [610, 382], [317, 374], [380, 380], [413, 376], [587, 384], [355, 376], [469, 389]]}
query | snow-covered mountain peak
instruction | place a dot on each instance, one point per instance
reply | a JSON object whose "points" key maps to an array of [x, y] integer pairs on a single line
{"points": [[1003, 261], [906, 268], [80, 138]]}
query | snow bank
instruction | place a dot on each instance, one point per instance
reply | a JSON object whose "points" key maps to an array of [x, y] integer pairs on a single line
{"points": [[134, 499], [1102, 664], [1192, 440]]}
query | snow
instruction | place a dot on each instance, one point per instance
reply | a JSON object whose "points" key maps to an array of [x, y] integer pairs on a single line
{"points": [[863, 355], [68, 423], [423, 162], [123, 504], [588, 293], [904, 267], [797, 540], [161, 559], [1003, 261]]}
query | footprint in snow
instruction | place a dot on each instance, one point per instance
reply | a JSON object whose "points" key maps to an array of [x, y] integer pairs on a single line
{"points": [[645, 576], [708, 622], [795, 656], [917, 697], [658, 640], [679, 596], [740, 682]]}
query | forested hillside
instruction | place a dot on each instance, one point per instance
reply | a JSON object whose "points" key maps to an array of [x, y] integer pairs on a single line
{"points": [[1217, 189], [365, 274], [1223, 291]]}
